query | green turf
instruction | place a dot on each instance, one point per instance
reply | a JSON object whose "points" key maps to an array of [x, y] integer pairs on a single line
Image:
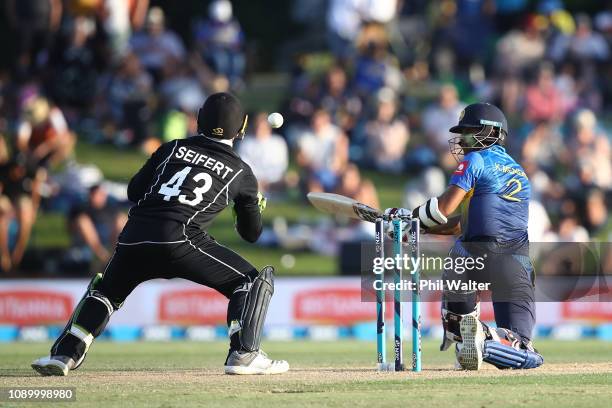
{"points": [[324, 373]]}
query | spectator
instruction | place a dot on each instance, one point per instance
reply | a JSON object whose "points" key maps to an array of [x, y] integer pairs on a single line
{"points": [[157, 46], [430, 182], [179, 89], [539, 223], [266, 153], [543, 101], [560, 21], [510, 98], [181, 95], [375, 68], [379, 11], [519, 49], [471, 26], [344, 23], [220, 42], [345, 19], [596, 212], [96, 224], [544, 146], [129, 92], [354, 186], [570, 230], [386, 136], [20, 181], [322, 153], [592, 152], [119, 19], [335, 97], [584, 45], [43, 135], [4, 153], [440, 117], [34, 22], [74, 62]]}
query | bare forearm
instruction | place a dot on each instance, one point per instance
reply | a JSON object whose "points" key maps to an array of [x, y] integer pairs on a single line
{"points": [[449, 201]]}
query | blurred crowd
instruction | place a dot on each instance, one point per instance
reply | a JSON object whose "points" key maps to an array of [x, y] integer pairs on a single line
{"points": [[101, 71], [402, 72], [375, 98]]}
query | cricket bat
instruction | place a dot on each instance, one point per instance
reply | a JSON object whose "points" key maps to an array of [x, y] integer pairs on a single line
{"points": [[340, 205]]}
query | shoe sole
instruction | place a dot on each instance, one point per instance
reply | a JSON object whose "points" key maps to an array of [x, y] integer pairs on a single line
{"points": [[470, 355], [50, 370], [239, 370]]}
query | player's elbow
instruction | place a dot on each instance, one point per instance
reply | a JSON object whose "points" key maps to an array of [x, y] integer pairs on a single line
{"points": [[248, 222], [250, 235], [134, 190], [133, 195]]}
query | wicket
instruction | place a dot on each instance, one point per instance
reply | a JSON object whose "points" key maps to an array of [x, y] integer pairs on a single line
{"points": [[382, 365]]}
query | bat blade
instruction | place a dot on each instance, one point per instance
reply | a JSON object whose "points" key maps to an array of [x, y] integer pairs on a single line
{"points": [[340, 205]]}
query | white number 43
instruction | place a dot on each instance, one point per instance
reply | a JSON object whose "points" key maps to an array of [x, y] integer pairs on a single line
{"points": [[172, 187]]}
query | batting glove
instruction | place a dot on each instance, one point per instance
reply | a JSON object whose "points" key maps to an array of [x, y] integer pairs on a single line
{"points": [[395, 212]]}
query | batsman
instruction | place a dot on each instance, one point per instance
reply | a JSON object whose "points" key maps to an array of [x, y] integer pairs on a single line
{"points": [[178, 192], [492, 192]]}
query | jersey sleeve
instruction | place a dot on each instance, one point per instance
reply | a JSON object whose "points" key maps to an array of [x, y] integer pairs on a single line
{"points": [[246, 206], [468, 171], [141, 182]]}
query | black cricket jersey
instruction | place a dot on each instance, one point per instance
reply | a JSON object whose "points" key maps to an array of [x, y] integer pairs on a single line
{"points": [[183, 186]]}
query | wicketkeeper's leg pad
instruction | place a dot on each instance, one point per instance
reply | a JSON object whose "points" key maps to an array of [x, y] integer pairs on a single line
{"points": [[245, 333], [87, 322]]}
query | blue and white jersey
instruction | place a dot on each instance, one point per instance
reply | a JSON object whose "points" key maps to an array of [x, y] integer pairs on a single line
{"points": [[497, 203]]}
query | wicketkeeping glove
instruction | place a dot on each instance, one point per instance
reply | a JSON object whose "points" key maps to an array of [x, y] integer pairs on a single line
{"points": [[261, 202]]}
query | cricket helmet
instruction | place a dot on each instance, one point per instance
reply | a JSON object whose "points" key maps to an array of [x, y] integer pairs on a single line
{"points": [[481, 126], [222, 117]]}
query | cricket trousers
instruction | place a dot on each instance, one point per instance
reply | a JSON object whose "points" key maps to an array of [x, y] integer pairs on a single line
{"points": [[511, 276], [199, 259]]}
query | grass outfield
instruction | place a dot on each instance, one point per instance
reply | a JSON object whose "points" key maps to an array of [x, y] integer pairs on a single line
{"points": [[179, 374]]}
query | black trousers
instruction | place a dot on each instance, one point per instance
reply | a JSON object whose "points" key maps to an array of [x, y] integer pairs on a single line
{"points": [[202, 260]]}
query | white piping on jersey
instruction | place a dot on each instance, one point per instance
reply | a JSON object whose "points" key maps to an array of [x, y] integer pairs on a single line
{"points": [[218, 260], [226, 187], [229, 249], [109, 262], [165, 162], [150, 242]]}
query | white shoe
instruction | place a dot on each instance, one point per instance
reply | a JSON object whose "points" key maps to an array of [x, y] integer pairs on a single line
{"points": [[53, 365], [470, 353], [251, 363]]}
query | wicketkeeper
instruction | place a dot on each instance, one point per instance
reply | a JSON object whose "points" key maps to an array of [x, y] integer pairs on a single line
{"points": [[493, 192], [176, 195]]}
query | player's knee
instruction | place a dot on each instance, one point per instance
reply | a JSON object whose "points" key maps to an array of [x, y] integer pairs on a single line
{"points": [[242, 285], [99, 290]]}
